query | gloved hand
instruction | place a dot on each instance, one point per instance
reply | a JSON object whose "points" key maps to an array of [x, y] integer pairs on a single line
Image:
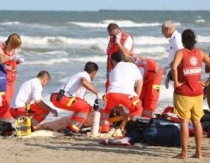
{"points": [[15, 57], [53, 111], [95, 105], [167, 80], [99, 96], [20, 60], [99, 104], [167, 69], [118, 37]]}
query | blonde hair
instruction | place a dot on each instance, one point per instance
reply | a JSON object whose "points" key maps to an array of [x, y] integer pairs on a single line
{"points": [[14, 40], [129, 59]]}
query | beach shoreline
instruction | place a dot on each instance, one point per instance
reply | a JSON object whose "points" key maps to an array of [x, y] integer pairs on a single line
{"points": [[83, 149]]}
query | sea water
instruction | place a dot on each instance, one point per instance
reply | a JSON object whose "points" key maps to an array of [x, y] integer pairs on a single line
{"points": [[62, 42]]}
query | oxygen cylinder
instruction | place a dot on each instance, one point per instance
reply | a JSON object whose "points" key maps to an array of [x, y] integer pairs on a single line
{"points": [[96, 123]]}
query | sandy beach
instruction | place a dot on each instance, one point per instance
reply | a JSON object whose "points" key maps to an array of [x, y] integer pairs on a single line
{"points": [[82, 149]]}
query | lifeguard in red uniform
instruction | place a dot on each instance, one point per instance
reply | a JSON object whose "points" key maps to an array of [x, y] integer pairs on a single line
{"points": [[119, 41], [8, 49], [152, 74]]}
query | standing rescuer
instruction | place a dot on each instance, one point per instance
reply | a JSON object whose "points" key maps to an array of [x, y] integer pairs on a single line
{"points": [[188, 90], [175, 43], [10, 59], [119, 41]]}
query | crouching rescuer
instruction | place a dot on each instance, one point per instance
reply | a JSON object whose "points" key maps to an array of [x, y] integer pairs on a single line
{"points": [[28, 100], [152, 74], [70, 96], [125, 88]]}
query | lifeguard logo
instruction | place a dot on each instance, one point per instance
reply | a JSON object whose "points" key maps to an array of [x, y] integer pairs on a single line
{"points": [[193, 61], [192, 71]]}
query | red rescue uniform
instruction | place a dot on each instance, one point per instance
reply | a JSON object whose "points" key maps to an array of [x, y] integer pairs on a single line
{"points": [[10, 86], [152, 78], [37, 113], [133, 104], [113, 47], [80, 107]]}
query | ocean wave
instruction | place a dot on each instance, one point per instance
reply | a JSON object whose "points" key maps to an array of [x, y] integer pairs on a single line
{"points": [[100, 44], [97, 59], [101, 59], [203, 39], [45, 52], [102, 24], [152, 50], [121, 23], [31, 25], [48, 62], [96, 44], [60, 40], [10, 23], [156, 52], [148, 40], [200, 21], [40, 26]]}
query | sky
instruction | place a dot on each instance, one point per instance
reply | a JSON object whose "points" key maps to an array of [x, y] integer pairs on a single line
{"points": [[95, 5]]}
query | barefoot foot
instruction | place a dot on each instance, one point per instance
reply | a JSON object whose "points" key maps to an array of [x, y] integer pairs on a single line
{"points": [[180, 156]]}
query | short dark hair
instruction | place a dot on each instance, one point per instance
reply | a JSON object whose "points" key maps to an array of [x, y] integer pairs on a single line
{"points": [[90, 67], [112, 26], [118, 56], [188, 39], [43, 73]]}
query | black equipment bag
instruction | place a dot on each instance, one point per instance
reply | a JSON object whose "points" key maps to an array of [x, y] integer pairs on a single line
{"points": [[162, 132], [6, 128]]}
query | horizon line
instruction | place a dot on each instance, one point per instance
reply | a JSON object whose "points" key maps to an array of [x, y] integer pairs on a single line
{"points": [[104, 10]]}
